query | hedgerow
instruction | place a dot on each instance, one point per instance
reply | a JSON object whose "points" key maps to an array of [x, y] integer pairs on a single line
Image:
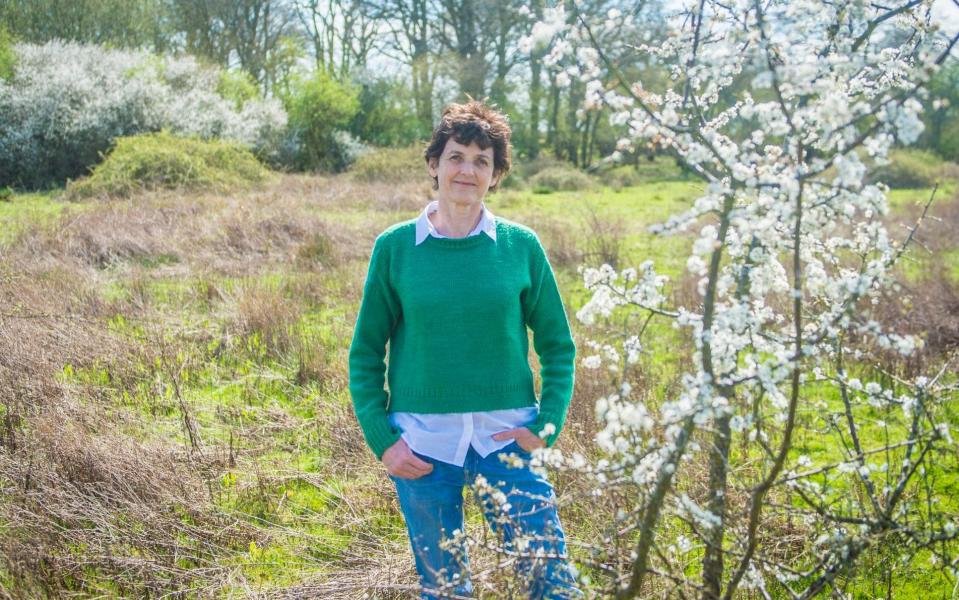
{"points": [[65, 104]]}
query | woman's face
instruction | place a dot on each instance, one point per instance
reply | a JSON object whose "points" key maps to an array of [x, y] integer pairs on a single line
{"points": [[463, 173]]}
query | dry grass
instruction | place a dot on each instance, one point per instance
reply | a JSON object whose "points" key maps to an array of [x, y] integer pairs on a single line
{"points": [[80, 496], [927, 304], [95, 503], [268, 314], [604, 239], [233, 235], [89, 509], [334, 193], [48, 320], [558, 240]]}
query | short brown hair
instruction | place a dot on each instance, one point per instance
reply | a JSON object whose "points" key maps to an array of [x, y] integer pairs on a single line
{"points": [[477, 122]]}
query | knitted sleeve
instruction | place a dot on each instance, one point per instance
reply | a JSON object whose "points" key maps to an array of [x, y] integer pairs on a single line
{"points": [[379, 313], [553, 342]]}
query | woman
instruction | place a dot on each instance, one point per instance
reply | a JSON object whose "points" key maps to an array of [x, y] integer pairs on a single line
{"points": [[453, 293]]}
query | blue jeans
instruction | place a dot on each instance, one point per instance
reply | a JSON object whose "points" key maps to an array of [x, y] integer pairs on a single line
{"points": [[433, 509]]}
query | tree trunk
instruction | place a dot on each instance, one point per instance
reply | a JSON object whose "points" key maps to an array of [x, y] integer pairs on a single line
{"points": [[423, 90], [569, 134], [552, 133], [535, 88], [718, 474]]}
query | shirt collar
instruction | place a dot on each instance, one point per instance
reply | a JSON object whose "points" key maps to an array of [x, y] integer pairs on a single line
{"points": [[425, 228]]}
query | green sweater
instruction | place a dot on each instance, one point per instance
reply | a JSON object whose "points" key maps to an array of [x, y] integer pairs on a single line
{"points": [[455, 313]]}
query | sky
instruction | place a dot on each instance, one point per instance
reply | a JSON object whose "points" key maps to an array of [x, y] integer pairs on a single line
{"points": [[947, 14]]}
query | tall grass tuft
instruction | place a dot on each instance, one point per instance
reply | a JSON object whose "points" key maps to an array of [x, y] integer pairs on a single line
{"points": [[267, 319], [164, 161], [560, 178]]}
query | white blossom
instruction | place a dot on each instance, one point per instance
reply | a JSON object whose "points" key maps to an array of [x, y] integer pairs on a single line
{"points": [[784, 113]]}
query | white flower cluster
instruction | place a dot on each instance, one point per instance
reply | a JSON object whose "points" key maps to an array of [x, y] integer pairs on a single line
{"points": [[781, 108], [67, 102], [543, 32], [624, 421], [643, 288], [491, 494]]}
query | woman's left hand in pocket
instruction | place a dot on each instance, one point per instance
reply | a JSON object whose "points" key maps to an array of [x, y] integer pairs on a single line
{"points": [[526, 439]]}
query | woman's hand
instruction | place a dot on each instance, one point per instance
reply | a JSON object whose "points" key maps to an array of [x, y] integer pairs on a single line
{"points": [[526, 439], [401, 462]]}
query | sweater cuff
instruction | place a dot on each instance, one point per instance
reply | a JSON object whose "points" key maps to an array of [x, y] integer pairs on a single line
{"points": [[380, 435], [547, 426]]}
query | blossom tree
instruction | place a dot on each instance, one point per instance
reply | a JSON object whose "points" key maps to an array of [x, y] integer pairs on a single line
{"points": [[780, 107]]}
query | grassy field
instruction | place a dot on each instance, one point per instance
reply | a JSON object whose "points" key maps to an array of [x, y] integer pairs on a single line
{"points": [[174, 413]]}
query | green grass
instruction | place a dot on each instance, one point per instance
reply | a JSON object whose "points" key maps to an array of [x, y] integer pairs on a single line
{"points": [[902, 199], [950, 259], [648, 204], [628, 213], [30, 211]]}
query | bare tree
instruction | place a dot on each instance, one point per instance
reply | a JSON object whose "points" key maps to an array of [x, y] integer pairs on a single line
{"points": [[465, 40], [411, 27], [257, 26], [204, 26], [244, 33], [342, 34]]}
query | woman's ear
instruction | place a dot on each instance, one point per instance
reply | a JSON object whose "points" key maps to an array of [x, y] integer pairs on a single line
{"points": [[431, 166]]}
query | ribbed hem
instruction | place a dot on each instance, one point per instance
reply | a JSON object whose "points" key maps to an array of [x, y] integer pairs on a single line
{"points": [[380, 435], [509, 392], [440, 401], [544, 419]]}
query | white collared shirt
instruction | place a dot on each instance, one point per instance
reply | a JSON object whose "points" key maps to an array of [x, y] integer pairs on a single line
{"points": [[425, 227], [448, 437]]}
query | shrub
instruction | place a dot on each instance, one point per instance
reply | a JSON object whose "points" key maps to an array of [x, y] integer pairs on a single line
{"points": [[912, 169], [620, 177], [343, 151], [237, 86], [514, 181], [560, 178], [67, 102], [605, 237], [319, 107], [192, 106], [385, 116], [391, 165], [164, 161], [542, 162], [656, 168]]}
